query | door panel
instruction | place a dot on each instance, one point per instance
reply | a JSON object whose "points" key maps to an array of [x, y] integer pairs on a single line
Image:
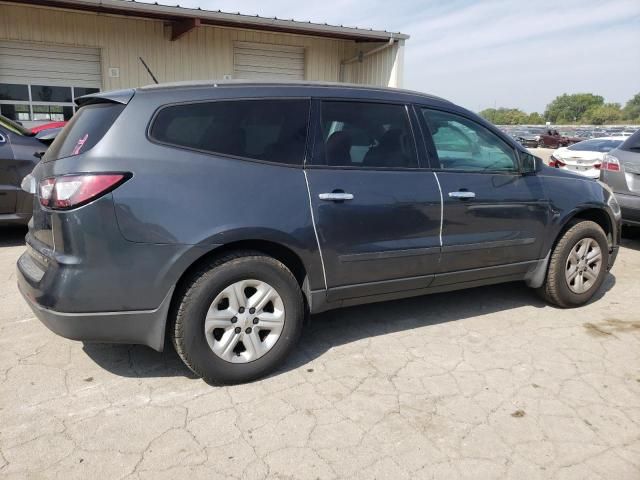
{"points": [[504, 223], [492, 214], [376, 213], [390, 229]]}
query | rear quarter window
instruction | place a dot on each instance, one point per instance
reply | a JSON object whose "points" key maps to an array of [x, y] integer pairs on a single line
{"points": [[84, 131], [267, 130]]}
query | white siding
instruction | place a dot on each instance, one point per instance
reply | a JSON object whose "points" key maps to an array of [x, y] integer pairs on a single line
{"points": [[22, 62], [259, 61], [204, 53], [381, 68]]}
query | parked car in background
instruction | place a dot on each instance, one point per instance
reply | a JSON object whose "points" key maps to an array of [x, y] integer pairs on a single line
{"points": [[552, 139], [621, 171], [20, 151], [526, 138], [584, 157], [48, 126]]}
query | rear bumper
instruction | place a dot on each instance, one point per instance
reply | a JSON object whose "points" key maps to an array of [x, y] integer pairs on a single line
{"points": [[630, 207], [145, 327]]}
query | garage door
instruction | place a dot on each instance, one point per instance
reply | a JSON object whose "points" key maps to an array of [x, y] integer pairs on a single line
{"points": [[265, 61], [39, 81], [22, 62]]}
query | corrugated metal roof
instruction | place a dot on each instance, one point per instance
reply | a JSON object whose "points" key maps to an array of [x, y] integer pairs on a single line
{"points": [[210, 17]]}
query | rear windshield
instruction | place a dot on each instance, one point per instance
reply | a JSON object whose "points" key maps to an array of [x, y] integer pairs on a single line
{"points": [[595, 145], [84, 131], [632, 143]]}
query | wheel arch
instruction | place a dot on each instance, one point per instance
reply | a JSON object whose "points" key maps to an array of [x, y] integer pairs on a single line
{"points": [[594, 214], [535, 277], [283, 253]]}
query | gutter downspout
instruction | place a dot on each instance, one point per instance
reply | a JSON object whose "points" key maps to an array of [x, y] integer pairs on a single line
{"points": [[362, 55]]}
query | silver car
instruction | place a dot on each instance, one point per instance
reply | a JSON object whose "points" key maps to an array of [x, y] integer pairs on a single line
{"points": [[621, 171]]}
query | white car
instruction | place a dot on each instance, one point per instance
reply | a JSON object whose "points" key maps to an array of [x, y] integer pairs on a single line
{"points": [[585, 157]]}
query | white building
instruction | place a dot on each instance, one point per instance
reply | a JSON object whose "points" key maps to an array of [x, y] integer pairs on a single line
{"points": [[54, 50]]}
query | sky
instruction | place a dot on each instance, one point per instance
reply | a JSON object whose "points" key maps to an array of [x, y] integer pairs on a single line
{"points": [[490, 53]]}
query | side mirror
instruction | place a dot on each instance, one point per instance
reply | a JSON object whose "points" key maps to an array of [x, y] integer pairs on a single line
{"points": [[528, 163]]}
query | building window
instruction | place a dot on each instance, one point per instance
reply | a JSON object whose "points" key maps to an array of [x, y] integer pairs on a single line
{"points": [[10, 91], [40, 102]]}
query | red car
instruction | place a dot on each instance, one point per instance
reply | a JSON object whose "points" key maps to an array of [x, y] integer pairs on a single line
{"points": [[552, 139], [47, 126]]}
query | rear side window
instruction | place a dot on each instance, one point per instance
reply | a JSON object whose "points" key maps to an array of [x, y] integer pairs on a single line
{"points": [[268, 130], [84, 131], [367, 135]]}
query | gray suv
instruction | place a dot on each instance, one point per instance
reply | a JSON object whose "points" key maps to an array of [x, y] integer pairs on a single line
{"points": [[621, 171], [222, 214]]}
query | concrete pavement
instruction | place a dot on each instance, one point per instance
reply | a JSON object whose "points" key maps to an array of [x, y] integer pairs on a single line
{"points": [[484, 383]]}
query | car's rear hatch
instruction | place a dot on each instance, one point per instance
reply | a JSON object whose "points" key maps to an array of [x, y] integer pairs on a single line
{"points": [[87, 127], [629, 157], [631, 169]]}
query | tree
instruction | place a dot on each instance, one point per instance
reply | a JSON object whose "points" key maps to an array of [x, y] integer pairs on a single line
{"points": [[632, 108], [504, 116], [535, 119], [571, 108], [607, 113]]}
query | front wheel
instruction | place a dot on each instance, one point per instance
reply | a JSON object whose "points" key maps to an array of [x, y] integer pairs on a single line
{"points": [[577, 266], [238, 318]]}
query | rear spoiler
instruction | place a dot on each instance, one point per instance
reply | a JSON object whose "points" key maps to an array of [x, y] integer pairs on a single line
{"points": [[114, 96]]}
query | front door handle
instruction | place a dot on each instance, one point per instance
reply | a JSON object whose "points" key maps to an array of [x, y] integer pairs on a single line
{"points": [[336, 196], [462, 194]]}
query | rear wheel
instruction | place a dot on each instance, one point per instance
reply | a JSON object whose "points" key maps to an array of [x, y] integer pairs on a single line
{"points": [[238, 318], [577, 266]]}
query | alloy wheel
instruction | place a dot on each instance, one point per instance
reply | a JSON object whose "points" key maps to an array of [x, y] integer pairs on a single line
{"points": [[583, 265], [244, 321]]}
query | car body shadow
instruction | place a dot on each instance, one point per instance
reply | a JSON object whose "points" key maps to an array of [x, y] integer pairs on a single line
{"points": [[631, 238], [12, 236], [338, 327]]}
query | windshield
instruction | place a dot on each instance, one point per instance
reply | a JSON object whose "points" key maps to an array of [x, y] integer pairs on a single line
{"points": [[595, 145], [14, 127]]}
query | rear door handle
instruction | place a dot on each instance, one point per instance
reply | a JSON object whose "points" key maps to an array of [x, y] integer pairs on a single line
{"points": [[336, 196], [462, 194]]}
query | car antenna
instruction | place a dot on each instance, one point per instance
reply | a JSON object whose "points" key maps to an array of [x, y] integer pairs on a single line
{"points": [[149, 70]]}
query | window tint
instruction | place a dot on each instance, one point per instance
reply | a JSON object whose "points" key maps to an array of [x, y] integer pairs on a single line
{"points": [[465, 145], [358, 134], [269, 130], [84, 131]]}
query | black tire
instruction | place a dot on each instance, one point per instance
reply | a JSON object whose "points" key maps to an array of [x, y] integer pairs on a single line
{"points": [[556, 289], [199, 291]]}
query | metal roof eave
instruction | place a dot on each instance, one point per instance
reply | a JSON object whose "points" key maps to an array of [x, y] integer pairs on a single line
{"points": [[219, 18]]}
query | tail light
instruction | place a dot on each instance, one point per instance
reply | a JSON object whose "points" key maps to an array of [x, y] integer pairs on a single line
{"points": [[611, 163], [556, 162], [71, 191]]}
